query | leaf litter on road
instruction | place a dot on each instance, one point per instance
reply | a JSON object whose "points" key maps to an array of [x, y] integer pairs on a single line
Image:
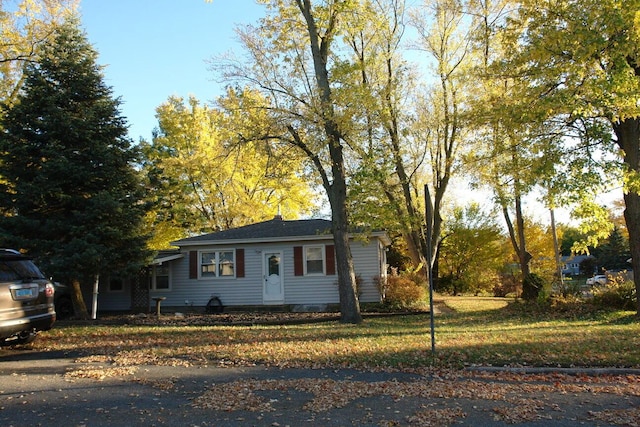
{"points": [[521, 397]]}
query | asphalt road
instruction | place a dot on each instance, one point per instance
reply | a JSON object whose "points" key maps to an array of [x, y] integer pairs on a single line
{"points": [[45, 389]]}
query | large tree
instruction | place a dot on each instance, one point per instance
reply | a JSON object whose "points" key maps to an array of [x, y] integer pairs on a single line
{"points": [[581, 63], [389, 159], [297, 60], [201, 179], [70, 189], [444, 38]]}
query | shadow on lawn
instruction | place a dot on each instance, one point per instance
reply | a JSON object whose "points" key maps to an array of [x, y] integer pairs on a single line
{"points": [[492, 337]]}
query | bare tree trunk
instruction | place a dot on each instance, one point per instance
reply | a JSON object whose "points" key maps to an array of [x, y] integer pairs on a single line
{"points": [[337, 188], [516, 235], [523, 256], [349, 304], [79, 307]]}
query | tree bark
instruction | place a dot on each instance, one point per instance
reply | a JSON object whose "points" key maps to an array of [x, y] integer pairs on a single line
{"points": [[337, 188], [523, 256], [349, 303], [79, 306], [628, 137]]}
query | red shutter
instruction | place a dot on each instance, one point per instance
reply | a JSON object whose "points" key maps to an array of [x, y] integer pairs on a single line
{"points": [[239, 262], [330, 255], [298, 268], [193, 264]]}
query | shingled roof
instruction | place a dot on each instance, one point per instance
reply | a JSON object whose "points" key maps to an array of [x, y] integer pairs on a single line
{"points": [[272, 230]]}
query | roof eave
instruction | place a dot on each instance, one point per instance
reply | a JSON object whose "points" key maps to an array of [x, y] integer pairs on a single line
{"points": [[158, 261], [382, 236], [255, 240]]}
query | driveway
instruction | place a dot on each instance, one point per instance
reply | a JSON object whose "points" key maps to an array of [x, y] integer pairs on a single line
{"points": [[54, 389]]}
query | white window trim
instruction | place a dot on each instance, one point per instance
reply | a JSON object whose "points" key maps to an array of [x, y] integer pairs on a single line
{"points": [[154, 283], [323, 251], [216, 264]]}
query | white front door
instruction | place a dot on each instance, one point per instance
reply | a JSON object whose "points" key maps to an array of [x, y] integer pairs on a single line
{"points": [[273, 288]]}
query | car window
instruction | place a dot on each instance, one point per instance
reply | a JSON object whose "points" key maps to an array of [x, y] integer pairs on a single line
{"points": [[7, 274], [19, 270]]}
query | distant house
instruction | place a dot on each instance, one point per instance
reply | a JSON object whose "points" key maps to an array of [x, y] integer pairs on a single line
{"points": [[571, 264], [270, 263]]}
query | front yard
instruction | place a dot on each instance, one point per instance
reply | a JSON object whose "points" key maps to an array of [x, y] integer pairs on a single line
{"points": [[469, 332]]}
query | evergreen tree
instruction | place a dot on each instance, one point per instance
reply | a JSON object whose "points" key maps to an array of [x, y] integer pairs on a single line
{"points": [[70, 193], [614, 253]]}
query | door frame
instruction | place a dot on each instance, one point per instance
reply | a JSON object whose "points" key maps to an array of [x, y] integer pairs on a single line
{"points": [[266, 298]]}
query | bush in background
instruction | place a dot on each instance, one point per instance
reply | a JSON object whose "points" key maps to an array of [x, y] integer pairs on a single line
{"points": [[569, 288], [406, 290], [508, 285], [618, 293], [533, 287]]}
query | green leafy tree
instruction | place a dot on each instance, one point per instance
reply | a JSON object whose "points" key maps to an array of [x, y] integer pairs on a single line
{"points": [[71, 190], [297, 57], [522, 151], [581, 65], [614, 252], [471, 251], [568, 238], [25, 25], [201, 179]]}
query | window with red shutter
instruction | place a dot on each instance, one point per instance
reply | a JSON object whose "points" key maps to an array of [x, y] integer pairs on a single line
{"points": [[239, 262], [330, 255], [298, 268], [193, 264]]}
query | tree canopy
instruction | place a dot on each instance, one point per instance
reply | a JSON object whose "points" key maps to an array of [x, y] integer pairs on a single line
{"points": [[203, 178], [25, 25], [579, 64]]}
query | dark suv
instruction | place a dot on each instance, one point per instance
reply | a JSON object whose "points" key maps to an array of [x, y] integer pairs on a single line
{"points": [[26, 299]]}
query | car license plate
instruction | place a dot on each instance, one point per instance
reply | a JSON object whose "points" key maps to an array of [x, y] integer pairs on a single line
{"points": [[23, 293]]}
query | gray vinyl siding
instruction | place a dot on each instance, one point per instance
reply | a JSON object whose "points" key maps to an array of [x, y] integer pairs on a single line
{"points": [[248, 290], [107, 299], [366, 262]]}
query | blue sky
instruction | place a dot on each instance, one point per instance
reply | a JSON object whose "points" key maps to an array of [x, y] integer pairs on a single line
{"points": [[153, 49]]}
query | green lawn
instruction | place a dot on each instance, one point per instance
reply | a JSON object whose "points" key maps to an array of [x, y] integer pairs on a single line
{"points": [[472, 331]]}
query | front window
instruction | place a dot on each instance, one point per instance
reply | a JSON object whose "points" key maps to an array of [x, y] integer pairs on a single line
{"points": [[314, 260], [217, 264], [208, 264], [116, 284], [161, 277]]}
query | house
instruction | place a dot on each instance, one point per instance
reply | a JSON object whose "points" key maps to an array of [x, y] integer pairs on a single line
{"points": [[271, 263], [571, 264]]}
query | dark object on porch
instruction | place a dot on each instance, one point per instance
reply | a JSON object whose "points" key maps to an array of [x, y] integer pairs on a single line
{"points": [[214, 306]]}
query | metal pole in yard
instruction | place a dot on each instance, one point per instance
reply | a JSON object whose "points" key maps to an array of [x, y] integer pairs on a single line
{"points": [[429, 223]]}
